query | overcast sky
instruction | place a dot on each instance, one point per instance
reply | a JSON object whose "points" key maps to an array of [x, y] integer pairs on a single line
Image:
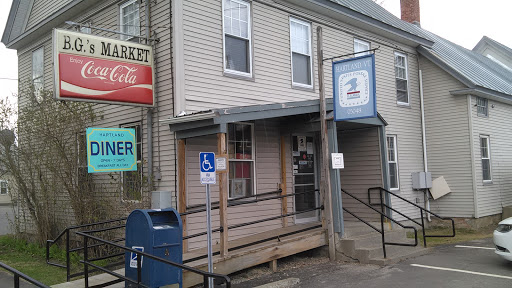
{"points": [[461, 21]]}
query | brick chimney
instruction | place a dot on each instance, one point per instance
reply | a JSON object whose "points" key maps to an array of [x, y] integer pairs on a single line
{"points": [[410, 11]]}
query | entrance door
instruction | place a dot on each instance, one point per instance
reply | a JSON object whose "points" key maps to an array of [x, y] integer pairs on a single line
{"points": [[304, 178]]}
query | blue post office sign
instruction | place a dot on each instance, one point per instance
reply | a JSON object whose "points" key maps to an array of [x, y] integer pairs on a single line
{"points": [[111, 149], [354, 88]]}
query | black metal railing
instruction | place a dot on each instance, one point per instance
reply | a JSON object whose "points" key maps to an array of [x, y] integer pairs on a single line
{"points": [[240, 201], [382, 231], [18, 275], [422, 212], [88, 262], [68, 234]]}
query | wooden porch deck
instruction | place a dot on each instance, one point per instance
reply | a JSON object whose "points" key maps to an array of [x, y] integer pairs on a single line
{"points": [[242, 255]]}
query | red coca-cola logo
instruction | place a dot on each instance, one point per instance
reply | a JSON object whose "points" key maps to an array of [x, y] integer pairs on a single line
{"points": [[104, 80]]}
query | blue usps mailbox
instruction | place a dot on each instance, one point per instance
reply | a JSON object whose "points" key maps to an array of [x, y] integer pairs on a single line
{"points": [[159, 233]]}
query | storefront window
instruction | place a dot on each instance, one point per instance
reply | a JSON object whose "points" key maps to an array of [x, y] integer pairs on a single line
{"points": [[241, 160]]}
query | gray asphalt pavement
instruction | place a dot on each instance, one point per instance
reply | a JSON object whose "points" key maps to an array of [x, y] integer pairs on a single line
{"points": [[6, 215], [446, 266]]}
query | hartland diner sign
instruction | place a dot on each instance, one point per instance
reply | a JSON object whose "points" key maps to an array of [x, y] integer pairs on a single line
{"points": [[102, 70]]}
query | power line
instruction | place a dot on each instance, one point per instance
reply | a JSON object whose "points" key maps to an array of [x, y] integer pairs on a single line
{"points": [[2, 78]]}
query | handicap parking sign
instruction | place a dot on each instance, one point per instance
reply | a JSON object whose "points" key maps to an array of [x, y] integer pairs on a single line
{"points": [[207, 166]]}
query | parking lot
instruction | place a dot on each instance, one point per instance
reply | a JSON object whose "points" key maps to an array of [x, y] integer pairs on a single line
{"points": [[471, 264]]}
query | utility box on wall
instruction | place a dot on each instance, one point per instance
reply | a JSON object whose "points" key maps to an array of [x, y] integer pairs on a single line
{"points": [[421, 180]]}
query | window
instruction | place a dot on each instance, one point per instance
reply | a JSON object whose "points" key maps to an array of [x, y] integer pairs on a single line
{"points": [[3, 187], [482, 107], [394, 182], [38, 72], [360, 45], [132, 180], [300, 37], [402, 93], [237, 37], [129, 19], [241, 160], [485, 152]]}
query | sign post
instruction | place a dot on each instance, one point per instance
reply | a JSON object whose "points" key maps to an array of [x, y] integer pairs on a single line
{"points": [[208, 176]]}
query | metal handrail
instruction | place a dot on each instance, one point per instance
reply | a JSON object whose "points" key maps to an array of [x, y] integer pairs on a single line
{"points": [[87, 263], [422, 210], [236, 199], [238, 202], [382, 231], [17, 275], [66, 232]]}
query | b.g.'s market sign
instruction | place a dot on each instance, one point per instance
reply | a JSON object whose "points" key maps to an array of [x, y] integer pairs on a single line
{"points": [[102, 70]]}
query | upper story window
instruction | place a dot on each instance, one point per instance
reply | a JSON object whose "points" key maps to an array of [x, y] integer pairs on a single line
{"points": [[129, 19], [3, 187], [482, 108], [38, 71], [241, 160], [394, 182], [237, 37], [132, 180], [361, 45], [401, 76], [485, 152], [300, 36]]}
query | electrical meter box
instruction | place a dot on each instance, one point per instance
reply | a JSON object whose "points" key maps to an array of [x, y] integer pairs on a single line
{"points": [[421, 180]]}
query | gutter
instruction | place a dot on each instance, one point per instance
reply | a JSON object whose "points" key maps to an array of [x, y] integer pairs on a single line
{"points": [[424, 139], [485, 93], [472, 153]]}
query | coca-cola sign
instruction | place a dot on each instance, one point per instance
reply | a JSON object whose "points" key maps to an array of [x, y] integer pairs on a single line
{"points": [[103, 70]]}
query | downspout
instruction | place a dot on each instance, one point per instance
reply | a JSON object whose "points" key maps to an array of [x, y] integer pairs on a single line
{"points": [[149, 113], [472, 153], [424, 139]]}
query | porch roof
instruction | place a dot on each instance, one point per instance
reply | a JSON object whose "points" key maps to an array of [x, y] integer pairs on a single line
{"points": [[215, 120]]}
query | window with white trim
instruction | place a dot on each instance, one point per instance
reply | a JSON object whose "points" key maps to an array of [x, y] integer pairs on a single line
{"points": [[38, 71], [132, 180], [237, 37], [485, 153], [300, 38], [482, 108], [4, 187], [129, 19], [361, 45], [401, 77], [241, 160], [394, 182]]}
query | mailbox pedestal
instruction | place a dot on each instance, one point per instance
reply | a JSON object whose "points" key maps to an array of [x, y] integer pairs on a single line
{"points": [[159, 233]]}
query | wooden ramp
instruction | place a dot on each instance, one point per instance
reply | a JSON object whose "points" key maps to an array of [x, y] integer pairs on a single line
{"points": [[257, 249]]}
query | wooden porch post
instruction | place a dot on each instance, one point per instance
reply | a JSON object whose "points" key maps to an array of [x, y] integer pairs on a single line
{"points": [[223, 194], [284, 200], [182, 188]]}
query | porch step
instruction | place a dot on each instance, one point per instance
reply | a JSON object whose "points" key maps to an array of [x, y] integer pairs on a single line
{"points": [[367, 248]]}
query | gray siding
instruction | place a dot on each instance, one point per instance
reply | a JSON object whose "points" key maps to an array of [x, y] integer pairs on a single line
{"points": [[448, 140], [106, 14], [491, 197], [41, 9], [361, 151], [207, 87], [268, 177]]}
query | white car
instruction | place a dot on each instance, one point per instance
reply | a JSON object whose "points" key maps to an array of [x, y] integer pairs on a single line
{"points": [[503, 239]]}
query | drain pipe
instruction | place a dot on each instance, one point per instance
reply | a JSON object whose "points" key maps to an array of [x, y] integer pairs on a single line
{"points": [[149, 113], [424, 138]]}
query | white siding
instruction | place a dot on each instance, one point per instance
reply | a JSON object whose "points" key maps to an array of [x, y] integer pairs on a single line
{"points": [[493, 196], [448, 145]]}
